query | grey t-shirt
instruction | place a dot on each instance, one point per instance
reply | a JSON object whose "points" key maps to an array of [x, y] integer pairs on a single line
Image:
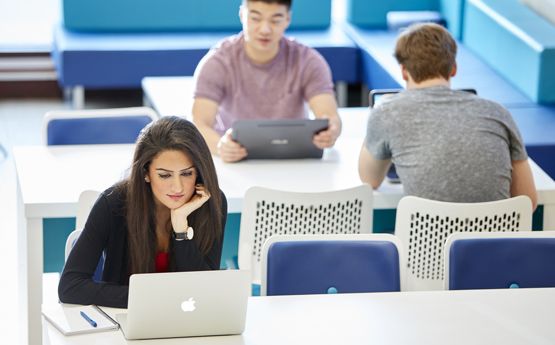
{"points": [[447, 145]]}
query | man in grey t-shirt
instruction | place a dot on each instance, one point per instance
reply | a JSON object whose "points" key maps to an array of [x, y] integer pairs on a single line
{"points": [[447, 145]]}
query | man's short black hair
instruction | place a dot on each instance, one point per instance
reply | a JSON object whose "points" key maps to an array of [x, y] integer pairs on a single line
{"points": [[286, 3]]}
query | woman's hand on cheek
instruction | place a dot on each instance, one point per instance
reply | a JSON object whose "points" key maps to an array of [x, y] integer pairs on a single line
{"points": [[180, 214]]}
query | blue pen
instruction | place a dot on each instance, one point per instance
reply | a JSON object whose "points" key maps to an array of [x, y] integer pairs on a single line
{"points": [[88, 319]]}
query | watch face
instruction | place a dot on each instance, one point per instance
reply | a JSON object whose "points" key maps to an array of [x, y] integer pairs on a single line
{"points": [[190, 233]]}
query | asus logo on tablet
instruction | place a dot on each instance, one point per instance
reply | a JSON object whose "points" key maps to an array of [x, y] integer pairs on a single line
{"points": [[279, 142]]}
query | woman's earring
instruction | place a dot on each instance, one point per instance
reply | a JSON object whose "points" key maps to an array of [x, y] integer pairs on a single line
{"points": [[146, 180]]}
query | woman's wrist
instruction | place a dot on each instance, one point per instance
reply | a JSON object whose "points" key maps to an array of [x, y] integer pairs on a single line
{"points": [[186, 235]]}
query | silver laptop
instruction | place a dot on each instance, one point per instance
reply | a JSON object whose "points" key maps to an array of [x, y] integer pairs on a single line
{"points": [[186, 304], [279, 139]]}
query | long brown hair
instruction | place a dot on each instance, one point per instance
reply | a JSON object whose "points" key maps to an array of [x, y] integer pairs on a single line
{"points": [[169, 133]]}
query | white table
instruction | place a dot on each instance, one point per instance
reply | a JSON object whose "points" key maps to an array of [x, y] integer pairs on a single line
{"points": [[169, 95], [50, 180], [510, 316]]}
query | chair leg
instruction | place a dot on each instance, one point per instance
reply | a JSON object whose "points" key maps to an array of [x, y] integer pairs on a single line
{"points": [[76, 96]]}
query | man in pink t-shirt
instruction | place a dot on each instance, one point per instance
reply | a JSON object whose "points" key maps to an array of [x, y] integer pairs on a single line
{"points": [[259, 73]]}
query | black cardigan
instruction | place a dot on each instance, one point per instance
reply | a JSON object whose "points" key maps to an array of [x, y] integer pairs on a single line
{"points": [[105, 231]]}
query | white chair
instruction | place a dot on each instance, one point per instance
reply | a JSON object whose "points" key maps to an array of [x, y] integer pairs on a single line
{"points": [[423, 225], [316, 264], [95, 126], [71, 240], [267, 212], [84, 205]]}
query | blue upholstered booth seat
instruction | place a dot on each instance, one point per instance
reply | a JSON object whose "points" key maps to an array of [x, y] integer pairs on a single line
{"points": [[516, 42], [121, 60], [177, 15], [373, 13], [500, 263], [381, 70]]}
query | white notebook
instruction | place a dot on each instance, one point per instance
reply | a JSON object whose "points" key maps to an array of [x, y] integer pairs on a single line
{"points": [[68, 319]]}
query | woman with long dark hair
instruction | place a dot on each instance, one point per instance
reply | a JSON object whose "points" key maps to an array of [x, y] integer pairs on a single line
{"points": [[168, 215]]}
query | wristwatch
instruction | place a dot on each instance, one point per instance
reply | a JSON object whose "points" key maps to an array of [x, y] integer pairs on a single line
{"points": [[187, 235]]}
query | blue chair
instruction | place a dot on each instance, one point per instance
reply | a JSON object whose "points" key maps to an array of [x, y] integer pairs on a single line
{"points": [[96, 126], [320, 264], [500, 260]]}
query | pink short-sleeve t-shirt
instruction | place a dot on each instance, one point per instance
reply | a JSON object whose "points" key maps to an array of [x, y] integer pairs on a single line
{"points": [[275, 90]]}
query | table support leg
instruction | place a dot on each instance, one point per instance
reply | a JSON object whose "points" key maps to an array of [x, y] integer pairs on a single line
{"points": [[341, 90], [365, 92], [30, 267]]}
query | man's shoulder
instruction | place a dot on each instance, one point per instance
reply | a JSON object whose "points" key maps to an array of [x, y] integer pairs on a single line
{"points": [[227, 47], [298, 49]]}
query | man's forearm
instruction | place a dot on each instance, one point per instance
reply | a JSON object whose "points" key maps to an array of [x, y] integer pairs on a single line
{"points": [[210, 135]]}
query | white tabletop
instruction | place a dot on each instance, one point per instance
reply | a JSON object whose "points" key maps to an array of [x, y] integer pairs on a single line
{"points": [[52, 177], [510, 316]]}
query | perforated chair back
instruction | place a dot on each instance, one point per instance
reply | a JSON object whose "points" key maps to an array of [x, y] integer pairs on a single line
{"points": [[267, 212], [423, 225], [95, 126], [319, 264], [500, 260]]}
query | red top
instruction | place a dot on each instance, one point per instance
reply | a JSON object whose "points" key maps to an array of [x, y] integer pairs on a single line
{"points": [[161, 263]]}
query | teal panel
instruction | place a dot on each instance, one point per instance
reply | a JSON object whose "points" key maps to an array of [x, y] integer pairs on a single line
{"points": [[452, 11], [384, 221], [516, 42], [148, 15], [373, 13], [55, 233], [537, 219], [310, 14], [231, 240], [177, 15], [546, 93]]}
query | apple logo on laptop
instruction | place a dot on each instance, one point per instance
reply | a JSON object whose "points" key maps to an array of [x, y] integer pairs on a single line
{"points": [[188, 305]]}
